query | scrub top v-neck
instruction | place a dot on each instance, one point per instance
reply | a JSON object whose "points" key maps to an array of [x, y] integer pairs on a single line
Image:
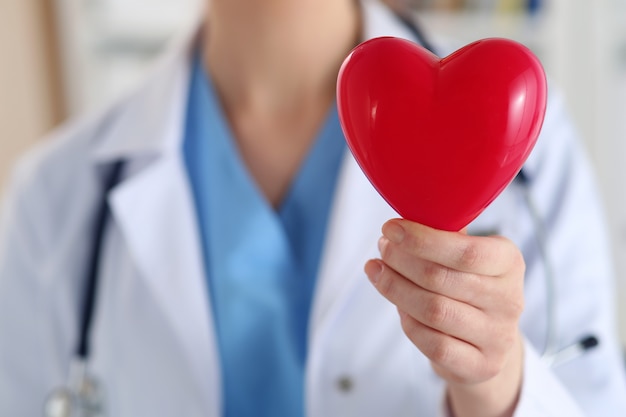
{"points": [[261, 263]]}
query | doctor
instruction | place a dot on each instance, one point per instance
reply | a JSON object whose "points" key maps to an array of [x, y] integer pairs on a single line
{"points": [[235, 263]]}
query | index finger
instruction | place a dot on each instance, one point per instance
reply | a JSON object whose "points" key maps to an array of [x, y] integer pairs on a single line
{"points": [[484, 255]]}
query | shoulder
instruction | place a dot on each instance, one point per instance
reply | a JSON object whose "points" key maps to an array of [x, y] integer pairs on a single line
{"points": [[60, 165], [50, 193], [146, 120]]}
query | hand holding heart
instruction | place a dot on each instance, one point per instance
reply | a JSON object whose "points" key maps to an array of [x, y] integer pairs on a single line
{"points": [[439, 139], [459, 298]]}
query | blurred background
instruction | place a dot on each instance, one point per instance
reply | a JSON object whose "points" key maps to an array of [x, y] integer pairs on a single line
{"points": [[63, 58]]}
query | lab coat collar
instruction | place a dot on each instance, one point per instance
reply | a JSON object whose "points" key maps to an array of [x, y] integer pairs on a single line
{"points": [[150, 120], [358, 211], [161, 99], [353, 232]]}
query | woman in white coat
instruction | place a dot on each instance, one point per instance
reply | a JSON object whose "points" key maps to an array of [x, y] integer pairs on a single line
{"points": [[439, 328]]}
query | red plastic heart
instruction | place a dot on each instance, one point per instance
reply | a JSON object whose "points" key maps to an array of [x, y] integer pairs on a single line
{"points": [[440, 139]]}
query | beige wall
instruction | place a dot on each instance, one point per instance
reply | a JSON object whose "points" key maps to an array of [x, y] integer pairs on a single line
{"points": [[30, 101]]}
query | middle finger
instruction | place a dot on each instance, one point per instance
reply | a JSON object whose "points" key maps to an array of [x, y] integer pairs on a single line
{"points": [[444, 314], [477, 290]]}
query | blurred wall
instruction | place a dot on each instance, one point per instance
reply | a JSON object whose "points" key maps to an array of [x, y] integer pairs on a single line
{"points": [[30, 91]]}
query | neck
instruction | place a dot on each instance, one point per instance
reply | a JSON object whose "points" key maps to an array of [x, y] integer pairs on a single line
{"points": [[271, 56], [274, 65]]}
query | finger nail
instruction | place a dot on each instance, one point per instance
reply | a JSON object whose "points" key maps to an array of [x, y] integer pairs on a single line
{"points": [[373, 269], [393, 231]]}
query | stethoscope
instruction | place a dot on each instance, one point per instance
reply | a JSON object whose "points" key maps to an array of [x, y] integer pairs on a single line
{"points": [[83, 395], [552, 354]]}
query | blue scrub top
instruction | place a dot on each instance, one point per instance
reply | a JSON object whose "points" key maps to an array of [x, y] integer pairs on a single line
{"points": [[261, 263]]}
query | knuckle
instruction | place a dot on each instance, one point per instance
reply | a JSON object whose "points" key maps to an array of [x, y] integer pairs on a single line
{"points": [[502, 337], [491, 369], [517, 259], [511, 252], [514, 339], [436, 275], [513, 307], [437, 311], [409, 327], [441, 352], [431, 271], [460, 379], [508, 340], [470, 256], [517, 306], [418, 243], [494, 360]]}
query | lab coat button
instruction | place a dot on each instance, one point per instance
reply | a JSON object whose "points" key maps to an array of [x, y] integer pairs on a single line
{"points": [[345, 384]]}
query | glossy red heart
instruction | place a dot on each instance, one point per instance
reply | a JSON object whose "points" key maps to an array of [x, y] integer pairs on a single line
{"points": [[441, 138]]}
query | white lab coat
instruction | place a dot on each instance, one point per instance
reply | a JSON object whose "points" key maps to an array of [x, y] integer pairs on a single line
{"points": [[154, 346]]}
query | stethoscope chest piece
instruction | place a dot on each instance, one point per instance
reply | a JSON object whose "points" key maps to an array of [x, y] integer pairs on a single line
{"points": [[59, 403], [83, 398]]}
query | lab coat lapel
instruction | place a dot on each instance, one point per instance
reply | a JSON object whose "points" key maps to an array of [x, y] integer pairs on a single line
{"points": [[359, 211], [155, 213], [153, 207], [353, 232]]}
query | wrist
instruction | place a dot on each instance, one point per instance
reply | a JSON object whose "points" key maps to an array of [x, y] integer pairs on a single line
{"points": [[496, 397]]}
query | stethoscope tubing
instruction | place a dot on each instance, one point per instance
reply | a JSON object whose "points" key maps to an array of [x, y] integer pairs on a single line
{"points": [[551, 354], [82, 396], [82, 350]]}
